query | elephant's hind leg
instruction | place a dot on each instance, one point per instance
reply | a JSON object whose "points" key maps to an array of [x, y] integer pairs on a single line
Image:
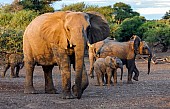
{"points": [[4, 72], [17, 71], [136, 71], [29, 78], [49, 86]]}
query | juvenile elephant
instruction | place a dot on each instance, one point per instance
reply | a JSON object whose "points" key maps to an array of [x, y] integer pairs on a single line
{"points": [[60, 38], [127, 52], [13, 60], [93, 48], [107, 66]]}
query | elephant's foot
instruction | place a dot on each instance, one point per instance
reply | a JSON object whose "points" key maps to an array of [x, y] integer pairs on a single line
{"points": [[121, 82], [51, 91], [30, 90], [111, 82], [17, 76], [114, 84], [129, 82], [2, 75], [135, 78], [76, 93], [108, 85], [103, 84], [12, 76], [91, 75], [100, 84], [67, 96]]}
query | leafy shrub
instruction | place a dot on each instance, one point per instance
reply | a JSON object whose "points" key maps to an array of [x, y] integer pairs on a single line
{"points": [[11, 40], [5, 19], [12, 26], [156, 32], [128, 28], [22, 18]]}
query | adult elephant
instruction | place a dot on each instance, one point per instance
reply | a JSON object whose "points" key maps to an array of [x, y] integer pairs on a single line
{"points": [[60, 38], [127, 52]]}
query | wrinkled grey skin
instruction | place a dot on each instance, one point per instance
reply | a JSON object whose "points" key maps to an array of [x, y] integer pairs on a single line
{"points": [[93, 48], [15, 61], [61, 38], [109, 66], [127, 52]]}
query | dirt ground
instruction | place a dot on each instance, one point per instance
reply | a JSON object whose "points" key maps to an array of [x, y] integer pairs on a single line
{"points": [[150, 92]]}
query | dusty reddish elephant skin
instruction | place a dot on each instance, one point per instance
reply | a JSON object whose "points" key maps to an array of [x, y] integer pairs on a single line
{"points": [[109, 66], [92, 50], [58, 38]]}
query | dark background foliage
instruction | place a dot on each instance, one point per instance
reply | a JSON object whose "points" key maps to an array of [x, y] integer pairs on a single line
{"points": [[123, 22]]}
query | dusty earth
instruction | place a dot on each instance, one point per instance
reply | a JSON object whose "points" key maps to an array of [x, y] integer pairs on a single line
{"points": [[150, 92]]}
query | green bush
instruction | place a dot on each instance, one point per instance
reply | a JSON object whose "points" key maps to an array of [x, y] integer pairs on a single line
{"points": [[128, 28], [74, 7], [11, 40], [5, 19], [22, 18], [156, 32], [12, 26]]}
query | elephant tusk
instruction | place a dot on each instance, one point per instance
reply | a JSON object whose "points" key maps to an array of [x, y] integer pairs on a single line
{"points": [[71, 45], [89, 44]]}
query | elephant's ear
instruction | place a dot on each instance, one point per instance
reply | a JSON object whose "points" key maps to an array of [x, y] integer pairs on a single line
{"points": [[52, 29], [108, 61], [99, 28], [137, 41], [143, 47], [142, 44], [131, 45]]}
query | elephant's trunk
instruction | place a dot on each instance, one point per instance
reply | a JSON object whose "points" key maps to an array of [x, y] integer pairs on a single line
{"points": [[79, 47], [79, 61], [149, 60]]}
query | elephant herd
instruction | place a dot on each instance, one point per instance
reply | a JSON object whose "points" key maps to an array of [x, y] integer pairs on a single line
{"points": [[126, 51], [60, 38]]}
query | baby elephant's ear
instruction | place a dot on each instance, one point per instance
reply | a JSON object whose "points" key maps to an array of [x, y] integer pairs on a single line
{"points": [[108, 61], [99, 28]]}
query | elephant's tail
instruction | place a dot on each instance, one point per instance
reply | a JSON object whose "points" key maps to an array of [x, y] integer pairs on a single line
{"points": [[97, 53]]}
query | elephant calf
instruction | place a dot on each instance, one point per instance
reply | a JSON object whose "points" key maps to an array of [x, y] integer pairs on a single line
{"points": [[13, 60], [107, 66]]}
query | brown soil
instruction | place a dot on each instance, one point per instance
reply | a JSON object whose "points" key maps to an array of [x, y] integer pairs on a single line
{"points": [[151, 91]]}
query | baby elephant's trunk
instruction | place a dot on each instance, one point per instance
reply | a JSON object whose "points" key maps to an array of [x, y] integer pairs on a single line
{"points": [[120, 65]]}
